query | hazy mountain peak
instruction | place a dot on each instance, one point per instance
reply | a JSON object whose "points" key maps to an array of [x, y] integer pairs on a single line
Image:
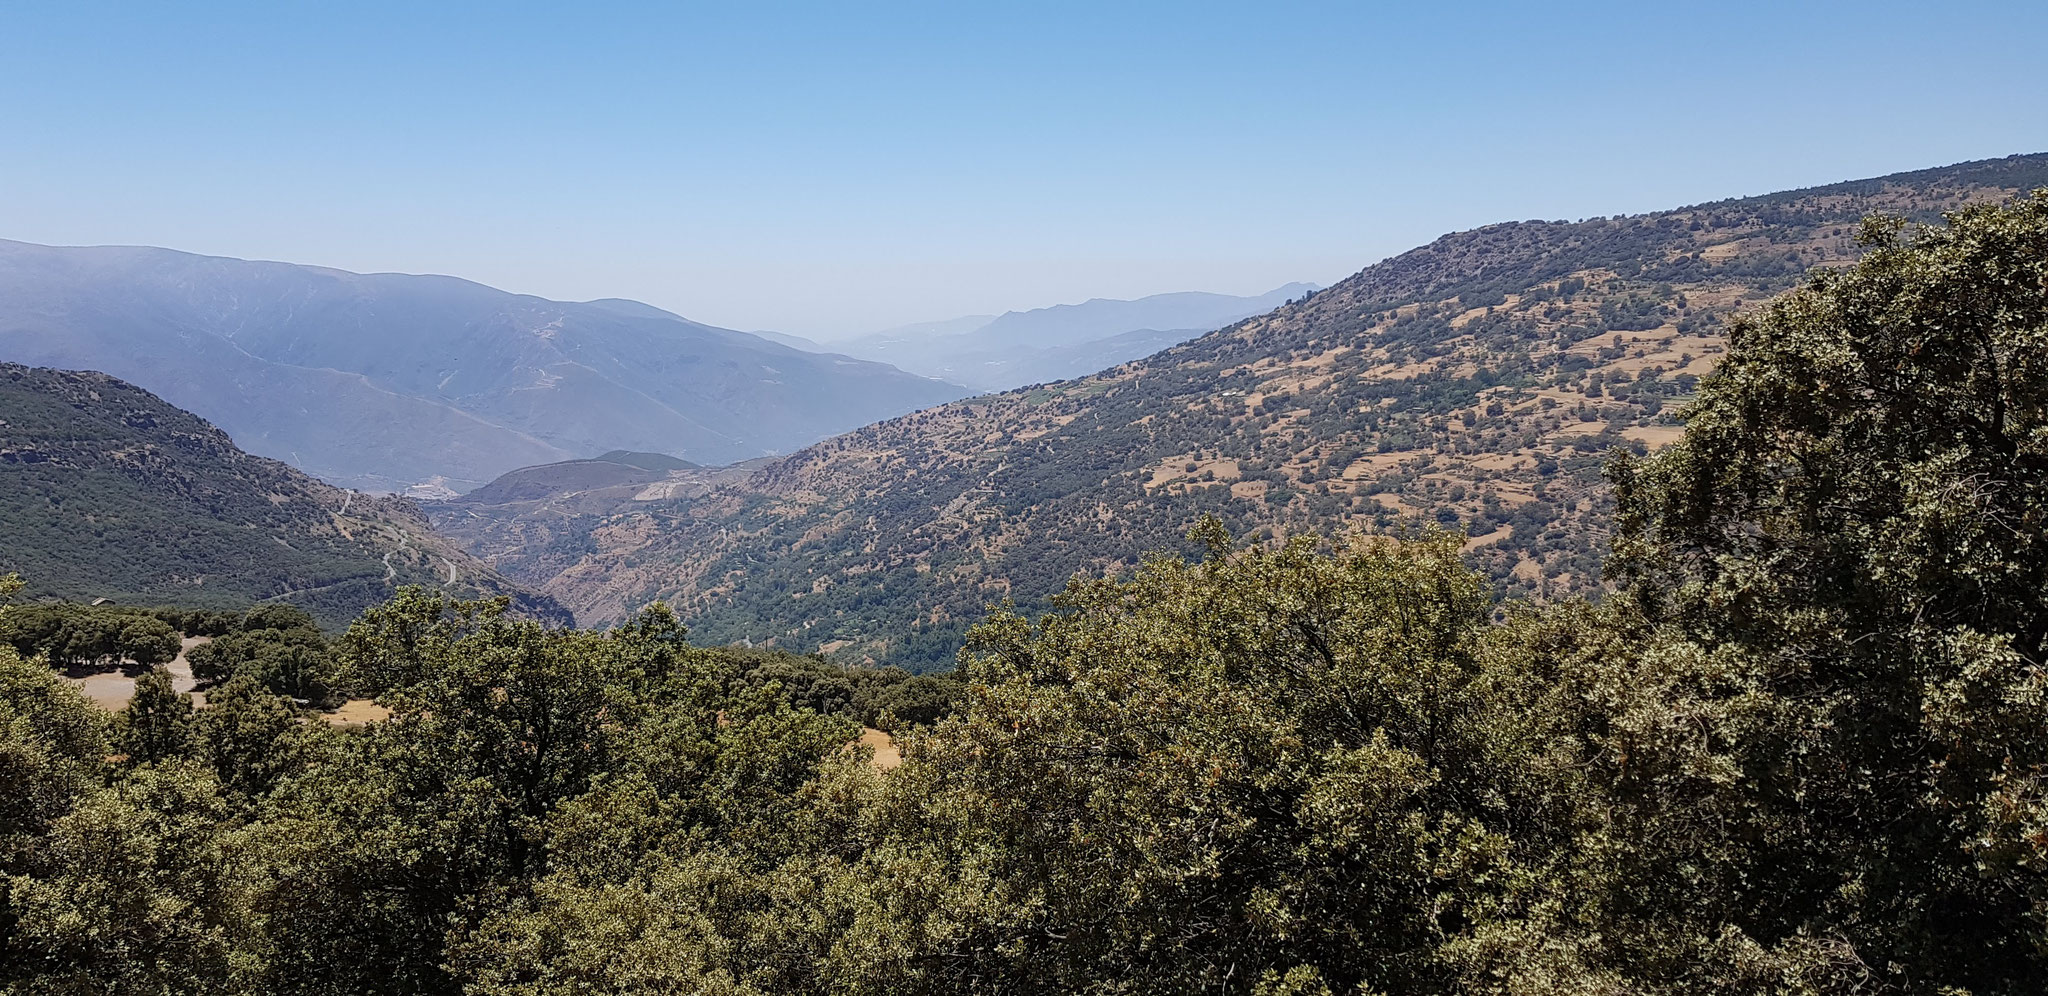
{"points": [[1061, 340], [637, 309], [383, 380]]}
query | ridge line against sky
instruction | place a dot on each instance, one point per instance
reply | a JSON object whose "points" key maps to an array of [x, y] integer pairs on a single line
{"points": [[829, 170]]}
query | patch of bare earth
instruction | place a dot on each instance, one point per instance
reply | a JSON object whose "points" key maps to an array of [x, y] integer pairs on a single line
{"points": [[887, 754], [113, 686], [357, 712]]}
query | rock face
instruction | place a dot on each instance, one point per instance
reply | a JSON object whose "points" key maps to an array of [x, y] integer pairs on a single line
{"points": [[1479, 383], [382, 381], [107, 491]]}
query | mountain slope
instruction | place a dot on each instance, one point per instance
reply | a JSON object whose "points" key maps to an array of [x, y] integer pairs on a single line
{"points": [[382, 380], [794, 341], [1478, 382], [107, 491], [535, 522], [1062, 341]]}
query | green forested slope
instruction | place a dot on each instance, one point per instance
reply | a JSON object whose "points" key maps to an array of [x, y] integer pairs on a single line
{"points": [[1799, 749], [1477, 383], [107, 491]]}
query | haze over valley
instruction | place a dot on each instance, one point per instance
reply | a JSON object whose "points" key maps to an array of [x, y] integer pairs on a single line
{"points": [[383, 381], [1412, 500], [994, 353]]}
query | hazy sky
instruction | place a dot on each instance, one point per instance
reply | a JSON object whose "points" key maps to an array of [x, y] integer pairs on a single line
{"points": [[828, 169]]}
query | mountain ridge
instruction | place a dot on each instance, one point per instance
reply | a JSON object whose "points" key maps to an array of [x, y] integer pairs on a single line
{"points": [[383, 380], [1477, 382], [1058, 341], [108, 491]]}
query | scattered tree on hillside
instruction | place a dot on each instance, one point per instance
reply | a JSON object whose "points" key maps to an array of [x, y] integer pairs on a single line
{"points": [[1800, 748], [157, 721]]}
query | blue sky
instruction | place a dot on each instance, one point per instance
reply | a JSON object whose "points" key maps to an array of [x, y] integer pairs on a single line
{"points": [[828, 169]]}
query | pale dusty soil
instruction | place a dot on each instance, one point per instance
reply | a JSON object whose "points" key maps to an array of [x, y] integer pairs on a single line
{"points": [[1372, 463], [1173, 470], [1570, 429], [1494, 461], [111, 688], [887, 755], [1493, 537], [1656, 436], [357, 712]]}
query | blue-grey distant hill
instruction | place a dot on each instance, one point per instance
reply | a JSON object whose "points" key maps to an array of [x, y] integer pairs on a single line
{"points": [[1059, 342], [641, 309], [379, 381]]}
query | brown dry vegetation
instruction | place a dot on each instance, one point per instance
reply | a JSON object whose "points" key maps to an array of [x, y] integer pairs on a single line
{"points": [[1478, 383]]}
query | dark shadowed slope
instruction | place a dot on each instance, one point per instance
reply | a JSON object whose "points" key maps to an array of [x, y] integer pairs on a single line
{"points": [[107, 491]]}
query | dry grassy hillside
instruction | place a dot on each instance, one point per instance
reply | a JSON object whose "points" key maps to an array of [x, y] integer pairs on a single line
{"points": [[1478, 383]]}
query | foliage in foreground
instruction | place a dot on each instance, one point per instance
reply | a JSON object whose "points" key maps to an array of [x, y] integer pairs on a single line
{"points": [[1801, 749], [68, 634]]}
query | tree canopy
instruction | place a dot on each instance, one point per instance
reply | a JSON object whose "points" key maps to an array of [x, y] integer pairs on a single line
{"points": [[1799, 747]]}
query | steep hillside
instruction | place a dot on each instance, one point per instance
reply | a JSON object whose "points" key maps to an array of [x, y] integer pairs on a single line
{"points": [[1478, 382], [534, 522], [383, 380], [1067, 340], [616, 468], [107, 491]]}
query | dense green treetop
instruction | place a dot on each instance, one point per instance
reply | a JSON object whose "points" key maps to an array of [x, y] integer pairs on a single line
{"points": [[1802, 749]]}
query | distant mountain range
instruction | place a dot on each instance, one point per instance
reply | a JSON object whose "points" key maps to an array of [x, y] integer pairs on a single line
{"points": [[381, 381], [106, 491], [1479, 383], [994, 353]]}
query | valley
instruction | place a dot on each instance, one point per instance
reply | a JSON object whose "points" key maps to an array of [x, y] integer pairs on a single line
{"points": [[817, 499]]}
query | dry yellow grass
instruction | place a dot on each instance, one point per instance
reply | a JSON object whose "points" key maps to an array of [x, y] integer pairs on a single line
{"points": [[887, 754], [1373, 463], [1572, 429], [357, 712], [1176, 469], [1655, 436], [1496, 461]]}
